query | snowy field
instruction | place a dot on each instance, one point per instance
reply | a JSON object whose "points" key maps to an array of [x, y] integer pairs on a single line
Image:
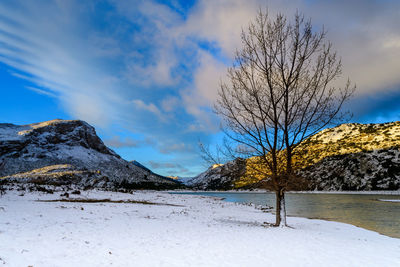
{"points": [[189, 231]]}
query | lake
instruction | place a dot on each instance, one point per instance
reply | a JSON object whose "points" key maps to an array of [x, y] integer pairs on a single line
{"points": [[363, 210]]}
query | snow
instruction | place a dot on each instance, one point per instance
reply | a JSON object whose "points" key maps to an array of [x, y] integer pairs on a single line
{"points": [[10, 132], [390, 200], [16, 132], [201, 231], [84, 154]]}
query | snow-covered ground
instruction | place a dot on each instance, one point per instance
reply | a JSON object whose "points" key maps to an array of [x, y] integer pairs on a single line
{"points": [[199, 231]]}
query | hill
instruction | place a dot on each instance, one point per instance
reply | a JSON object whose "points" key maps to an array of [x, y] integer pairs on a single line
{"points": [[68, 151], [347, 157]]}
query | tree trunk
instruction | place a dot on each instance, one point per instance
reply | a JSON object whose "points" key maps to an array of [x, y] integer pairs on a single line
{"points": [[280, 208]]}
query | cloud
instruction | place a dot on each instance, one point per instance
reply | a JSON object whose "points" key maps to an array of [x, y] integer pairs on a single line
{"points": [[365, 35], [220, 22], [164, 165], [168, 148], [154, 63], [384, 106], [170, 168], [157, 73], [198, 100], [41, 91], [170, 103], [45, 44], [118, 142], [139, 104]]}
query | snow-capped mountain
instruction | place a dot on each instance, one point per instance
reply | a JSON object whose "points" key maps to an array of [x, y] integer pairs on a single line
{"points": [[219, 177], [347, 157], [68, 148]]}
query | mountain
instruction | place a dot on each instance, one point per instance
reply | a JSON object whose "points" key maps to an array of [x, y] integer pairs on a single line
{"points": [[347, 157], [182, 179], [63, 151], [367, 170], [219, 176], [137, 163]]}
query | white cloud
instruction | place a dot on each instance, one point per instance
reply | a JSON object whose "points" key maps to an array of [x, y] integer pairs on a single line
{"points": [[168, 147], [364, 34], [158, 73], [139, 104], [166, 165], [208, 77], [220, 21], [199, 98], [170, 103], [41, 91], [156, 22]]}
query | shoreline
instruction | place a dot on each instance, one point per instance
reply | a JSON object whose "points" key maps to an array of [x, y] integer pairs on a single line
{"points": [[385, 226]]}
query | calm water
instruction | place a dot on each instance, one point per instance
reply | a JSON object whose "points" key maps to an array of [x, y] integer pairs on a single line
{"points": [[358, 209]]}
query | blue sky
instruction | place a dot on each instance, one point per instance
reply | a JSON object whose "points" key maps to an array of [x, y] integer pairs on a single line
{"points": [[145, 73]]}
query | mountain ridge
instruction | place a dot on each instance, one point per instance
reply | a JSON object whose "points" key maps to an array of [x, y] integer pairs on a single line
{"points": [[26, 149], [353, 141]]}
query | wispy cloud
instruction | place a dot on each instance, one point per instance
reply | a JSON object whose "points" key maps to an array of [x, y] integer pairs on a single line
{"points": [[41, 91], [164, 165], [168, 148], [118, 142], [46, 44], [140, 105], [170, 168]]}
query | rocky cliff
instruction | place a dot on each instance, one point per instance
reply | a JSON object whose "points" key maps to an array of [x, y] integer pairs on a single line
{"points": [[68, 148], [367, 170]]}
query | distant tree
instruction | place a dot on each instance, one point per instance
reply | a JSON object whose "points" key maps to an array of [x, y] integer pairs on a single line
{"points": [[279, 93]]}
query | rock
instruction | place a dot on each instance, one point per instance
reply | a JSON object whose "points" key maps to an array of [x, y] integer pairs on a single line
{"points": [[370, 170]]}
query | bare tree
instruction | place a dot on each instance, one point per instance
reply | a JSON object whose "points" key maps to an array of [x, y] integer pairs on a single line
{"points": [[279, 93]]}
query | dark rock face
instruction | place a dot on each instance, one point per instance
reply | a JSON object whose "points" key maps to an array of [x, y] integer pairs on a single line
{"points": [[371, 170], [34, 146]]}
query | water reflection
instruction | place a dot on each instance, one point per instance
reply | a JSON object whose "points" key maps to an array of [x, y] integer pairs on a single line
{"points": [[357, 209]]}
